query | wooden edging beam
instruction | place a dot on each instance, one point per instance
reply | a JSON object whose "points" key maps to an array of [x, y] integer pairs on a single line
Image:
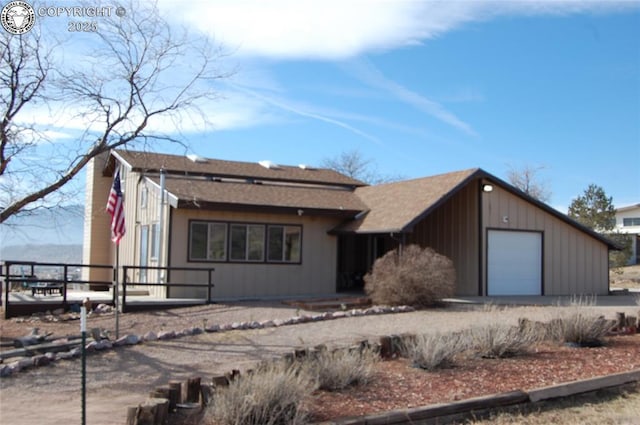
{"points": [[440, 413]]}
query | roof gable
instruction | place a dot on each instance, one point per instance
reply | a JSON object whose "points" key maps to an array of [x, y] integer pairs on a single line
{"points": [[396, 207]]}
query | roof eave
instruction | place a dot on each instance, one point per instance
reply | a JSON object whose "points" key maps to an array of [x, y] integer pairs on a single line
{"points": [[273, 209]]}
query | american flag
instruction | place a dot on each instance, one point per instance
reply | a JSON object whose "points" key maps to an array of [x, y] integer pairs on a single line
{"points": [[115, 207]]}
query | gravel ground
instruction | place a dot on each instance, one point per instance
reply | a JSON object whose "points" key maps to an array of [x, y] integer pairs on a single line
{"points": [[123, 377]]}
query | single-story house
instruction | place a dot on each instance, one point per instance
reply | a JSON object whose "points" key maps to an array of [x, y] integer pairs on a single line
{"points": [[628, 222], [284, 231]]}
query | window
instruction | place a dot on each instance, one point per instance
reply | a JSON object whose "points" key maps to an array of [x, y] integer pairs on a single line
{"points": [[208, 241], [243, 242], [144, 195], [247, 242], [632, 221], [144, 252], [284, 244], [155, 246]]}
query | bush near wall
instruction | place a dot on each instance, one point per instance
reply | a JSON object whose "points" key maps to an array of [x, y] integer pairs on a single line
{"points": [[418, 276]]}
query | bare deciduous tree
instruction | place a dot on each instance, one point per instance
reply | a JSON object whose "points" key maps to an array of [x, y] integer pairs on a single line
{"points": [[526, 179], [353, 164], [136, 84]]}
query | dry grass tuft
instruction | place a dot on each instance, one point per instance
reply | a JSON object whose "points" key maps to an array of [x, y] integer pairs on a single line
{"points": [[434, 351], [575, 324], [498, 340], [271, 395], [339, 369], [418, 277]]}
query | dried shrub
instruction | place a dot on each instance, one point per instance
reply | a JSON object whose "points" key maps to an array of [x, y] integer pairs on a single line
{"points": [[434, 351], [580, 328], [339, 369], [577, 324], [500, 340], [271, 395], [418, 277]]}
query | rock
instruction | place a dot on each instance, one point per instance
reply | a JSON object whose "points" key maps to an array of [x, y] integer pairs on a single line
{"points": [[339, 314], [164, 335], [5, 370], [65, 355], [278, 322], [254, 325], [105, 344], [267, 324], [75, 352], [236, 325], [130, 340], [212, 328], [196, 331], [21, 364], [150, 336], [25, 341], [40, 360], [58, 311], [103, 308], [51, 356]]}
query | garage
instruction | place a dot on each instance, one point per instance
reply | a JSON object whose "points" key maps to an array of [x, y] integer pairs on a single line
{"points": [[514, 263]]}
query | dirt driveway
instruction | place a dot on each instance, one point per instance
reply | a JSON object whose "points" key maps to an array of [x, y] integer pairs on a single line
{"points": [[122, 377]]}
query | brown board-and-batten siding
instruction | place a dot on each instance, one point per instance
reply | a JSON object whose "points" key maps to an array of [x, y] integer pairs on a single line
{"points": [[315, 274], [452, 230], [573, 263]]}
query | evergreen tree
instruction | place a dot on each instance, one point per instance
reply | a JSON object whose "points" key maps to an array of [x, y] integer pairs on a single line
{"points": [[594, 209]]}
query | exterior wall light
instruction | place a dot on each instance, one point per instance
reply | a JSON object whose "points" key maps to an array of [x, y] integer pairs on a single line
{"points": [[487, 188]]}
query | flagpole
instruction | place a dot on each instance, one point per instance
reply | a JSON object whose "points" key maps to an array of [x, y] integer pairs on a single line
{"points": [[117, 290], [83, 331]]}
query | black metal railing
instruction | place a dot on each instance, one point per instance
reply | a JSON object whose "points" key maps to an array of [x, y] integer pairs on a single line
{"points": [[168, 284], [20, 276], [42, 277]]}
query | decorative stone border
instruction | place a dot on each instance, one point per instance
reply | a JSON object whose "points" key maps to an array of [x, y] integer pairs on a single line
{"points": [[16, 366]]}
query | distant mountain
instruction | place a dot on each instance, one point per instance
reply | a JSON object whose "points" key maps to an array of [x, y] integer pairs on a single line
{"points": [[50, 253], [59, 226]]}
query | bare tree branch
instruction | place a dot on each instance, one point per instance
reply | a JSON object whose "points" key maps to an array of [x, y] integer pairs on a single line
{"points": [[527, 180], [139, 76], [355, 165]]}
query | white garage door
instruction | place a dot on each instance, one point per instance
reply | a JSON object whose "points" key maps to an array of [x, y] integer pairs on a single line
{"points": [[514, 263]]}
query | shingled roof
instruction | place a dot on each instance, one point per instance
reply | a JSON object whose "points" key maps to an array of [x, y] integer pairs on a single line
{"points": [[395, 207], [268, 196], [182, 165]]}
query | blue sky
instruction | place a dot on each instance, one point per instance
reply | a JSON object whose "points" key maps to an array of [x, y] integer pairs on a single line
{"points": [[429, 87], [425, 87]]}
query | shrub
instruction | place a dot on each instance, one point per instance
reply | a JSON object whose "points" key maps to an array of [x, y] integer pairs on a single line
{"points": [[336, 370], [576, 324], [580, 328], [271, 395], [430, 352], [418, 277], [500, 340]]}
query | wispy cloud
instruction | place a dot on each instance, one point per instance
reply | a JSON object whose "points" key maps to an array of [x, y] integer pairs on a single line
{"points": [[303, 110], [337, 29], [366, 72]]}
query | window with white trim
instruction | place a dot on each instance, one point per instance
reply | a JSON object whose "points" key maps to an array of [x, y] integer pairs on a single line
{"points": [[631, 221]]}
